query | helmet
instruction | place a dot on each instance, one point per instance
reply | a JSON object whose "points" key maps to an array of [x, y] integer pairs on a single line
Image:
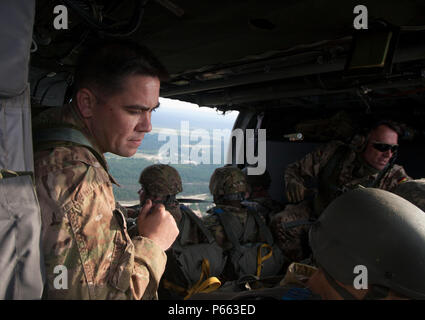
{"points": [[376, 229], [262, 180], [161, 179], [413, 191], [228, 180]]}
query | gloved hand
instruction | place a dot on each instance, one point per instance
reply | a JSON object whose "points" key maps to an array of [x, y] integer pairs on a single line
{"points": [[295, 192]]}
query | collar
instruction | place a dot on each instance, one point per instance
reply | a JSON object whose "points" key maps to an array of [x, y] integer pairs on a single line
{"points": [[69, 116], [364, 168]]}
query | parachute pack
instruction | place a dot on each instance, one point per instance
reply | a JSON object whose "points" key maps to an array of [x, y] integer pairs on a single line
{"points": [[247, 258], [192, 267]]}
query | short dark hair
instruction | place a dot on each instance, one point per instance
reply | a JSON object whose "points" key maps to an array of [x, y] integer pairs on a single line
{"points": [[388, 123], [105, 63]]}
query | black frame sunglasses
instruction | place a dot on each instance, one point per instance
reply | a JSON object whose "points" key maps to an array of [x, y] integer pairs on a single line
{"points": [[384, 147]]}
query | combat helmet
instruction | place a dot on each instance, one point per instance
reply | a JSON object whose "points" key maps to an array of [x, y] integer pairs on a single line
{"points": [[413, 191], [161, 179], [228, 183], [376, 229]]}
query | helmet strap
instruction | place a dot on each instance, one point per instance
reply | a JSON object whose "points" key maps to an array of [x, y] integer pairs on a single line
{"points": [[233, 197], [167, 200]]}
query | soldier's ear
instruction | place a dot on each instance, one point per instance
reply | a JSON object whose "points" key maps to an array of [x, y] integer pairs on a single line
{"points": [[366, 139], [359, 142], [85, 101]]}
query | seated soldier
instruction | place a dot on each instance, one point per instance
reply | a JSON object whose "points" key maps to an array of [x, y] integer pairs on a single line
{"points": [[259, 196], [160, 183], [336, 167], [238, 228], [229, 187], [368, 245], [194, 259]]}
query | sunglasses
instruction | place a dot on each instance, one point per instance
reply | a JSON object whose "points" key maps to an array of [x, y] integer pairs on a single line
{"points": [[383, 147]]}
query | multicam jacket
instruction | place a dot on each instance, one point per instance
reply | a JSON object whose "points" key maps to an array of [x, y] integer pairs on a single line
{"points": [[81, 231], [337, 168], [351, 172]]}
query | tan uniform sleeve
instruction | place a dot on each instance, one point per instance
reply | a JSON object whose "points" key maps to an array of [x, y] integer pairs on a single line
{"points": [[311, 164], [149, 265], [396, 176], [82, 233]]}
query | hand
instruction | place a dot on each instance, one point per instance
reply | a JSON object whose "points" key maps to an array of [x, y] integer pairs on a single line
{"points": [[295, 192], [157, 224]]}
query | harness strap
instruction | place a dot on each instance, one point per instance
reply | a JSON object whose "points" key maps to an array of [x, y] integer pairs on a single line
{"points": [[261, 258], [264, 230], [297, 223], [198, 223], [205, 286], [227, 221], [65, 134], [5, 173]]}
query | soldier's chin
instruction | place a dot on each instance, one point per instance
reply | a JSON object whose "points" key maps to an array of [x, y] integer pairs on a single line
{"points": [[380, 165], [128, 152]]}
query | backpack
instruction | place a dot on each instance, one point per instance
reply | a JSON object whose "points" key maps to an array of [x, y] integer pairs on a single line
{"points": [[246, 258], [191, 267]]}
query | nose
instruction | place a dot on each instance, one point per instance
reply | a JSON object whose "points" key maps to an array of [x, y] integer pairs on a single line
{"points": [[144, 123], [388, 154]]}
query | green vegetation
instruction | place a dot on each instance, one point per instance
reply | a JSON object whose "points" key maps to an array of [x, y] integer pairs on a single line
{"points": [[126, 171]]}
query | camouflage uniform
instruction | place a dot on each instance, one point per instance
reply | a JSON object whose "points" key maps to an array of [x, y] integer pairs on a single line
{"points": [[259, 197], [80, 230], [413, 191], [226, 181], [348, 172]]}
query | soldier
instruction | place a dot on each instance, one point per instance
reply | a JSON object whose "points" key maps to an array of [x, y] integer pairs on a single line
{"points": [[160, 183], [336, 167], [367, 244], [115, 91], [229, 187], [239, 229], [413, 191], [259, 196]]}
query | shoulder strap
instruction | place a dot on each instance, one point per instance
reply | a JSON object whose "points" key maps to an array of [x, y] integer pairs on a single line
{"points": [[65, 134], [264, 230], [333, 167], [328, 186], [227, 220], [195, 219]]}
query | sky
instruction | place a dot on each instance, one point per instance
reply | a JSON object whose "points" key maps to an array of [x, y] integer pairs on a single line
{"points": [[171, 112]]}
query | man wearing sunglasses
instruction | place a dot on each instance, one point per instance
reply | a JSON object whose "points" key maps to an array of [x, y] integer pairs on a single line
{"points": [[337, 168]]}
